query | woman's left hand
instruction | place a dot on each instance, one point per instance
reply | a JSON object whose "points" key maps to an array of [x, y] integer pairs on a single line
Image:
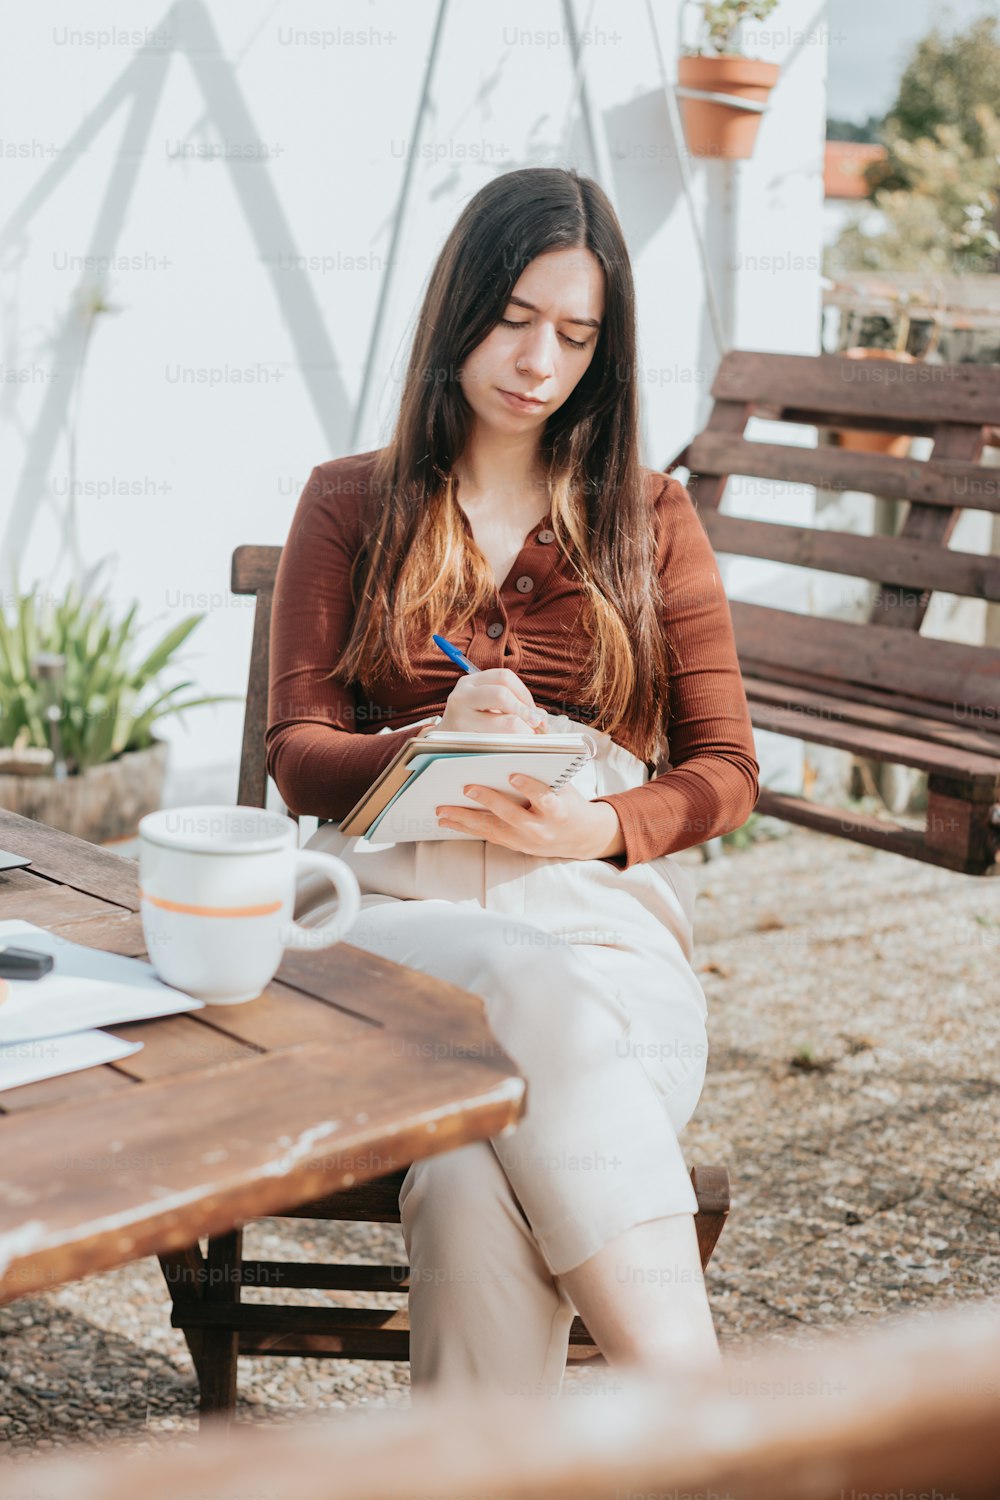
{"points": [[551, 825]]}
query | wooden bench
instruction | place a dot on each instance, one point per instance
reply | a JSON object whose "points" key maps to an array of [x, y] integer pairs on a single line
{"points": [[877, 688], [344, 1332]]}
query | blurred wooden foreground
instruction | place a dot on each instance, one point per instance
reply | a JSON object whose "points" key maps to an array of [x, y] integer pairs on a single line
{"points": [[906, 1408]]}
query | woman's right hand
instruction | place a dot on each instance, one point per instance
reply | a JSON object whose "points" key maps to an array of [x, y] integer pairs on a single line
{"points": [[494, 701]]}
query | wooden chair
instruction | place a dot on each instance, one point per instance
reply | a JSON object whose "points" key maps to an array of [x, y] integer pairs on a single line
{"points": [[877, 688], [324, 1332]]}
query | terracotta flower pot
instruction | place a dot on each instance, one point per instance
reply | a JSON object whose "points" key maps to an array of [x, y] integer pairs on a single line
{"points": [[103, 804], [713, 127], [896, 445]]}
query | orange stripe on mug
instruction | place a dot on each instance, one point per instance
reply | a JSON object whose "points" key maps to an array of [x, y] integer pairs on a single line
{"points": [[211, 911]]}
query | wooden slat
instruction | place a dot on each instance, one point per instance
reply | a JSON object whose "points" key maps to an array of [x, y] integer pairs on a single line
{"points": [[818, 700], [321, 1332], [845, 387], [371, 1344], [963, 848], [378, 1202], [967, 677], [933, 481], [877, 744], [375, 1202], [925, 482], [318, 1332], [841, 822], [283, 1015], [977, 731], [374, 1343], [194, 1160], [65, 1088], [31, 898], [913, 564], [319, 1276], [177, 1044], [419, 1008], [72, 861], [291, 1318], [116, 931]]}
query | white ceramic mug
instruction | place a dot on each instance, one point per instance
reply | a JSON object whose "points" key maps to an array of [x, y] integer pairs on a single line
{"points": [[217, 887]]}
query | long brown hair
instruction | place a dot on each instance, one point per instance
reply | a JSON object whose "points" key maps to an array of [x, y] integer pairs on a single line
{"points": [[416, 574]]}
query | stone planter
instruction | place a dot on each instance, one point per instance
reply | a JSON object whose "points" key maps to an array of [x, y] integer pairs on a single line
{"points": [[103, 804]]}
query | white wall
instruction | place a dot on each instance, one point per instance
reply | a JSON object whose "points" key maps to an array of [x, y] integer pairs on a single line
{"points": [[248, 209]]}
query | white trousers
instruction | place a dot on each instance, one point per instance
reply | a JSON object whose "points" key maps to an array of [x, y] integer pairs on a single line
{"points": [[586, 976]]}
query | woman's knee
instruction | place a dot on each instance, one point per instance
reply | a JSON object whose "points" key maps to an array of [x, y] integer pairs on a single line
{"points": [[455, 1204], [548, 1003]]}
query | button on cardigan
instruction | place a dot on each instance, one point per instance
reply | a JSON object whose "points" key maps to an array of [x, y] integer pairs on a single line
{"points": [[322, 746]]}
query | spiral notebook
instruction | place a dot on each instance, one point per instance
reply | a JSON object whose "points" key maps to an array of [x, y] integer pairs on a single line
{"points": [[427, 771]]}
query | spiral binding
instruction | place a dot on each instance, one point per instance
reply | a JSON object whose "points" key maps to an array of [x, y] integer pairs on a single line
{"points": [[576, 765]]}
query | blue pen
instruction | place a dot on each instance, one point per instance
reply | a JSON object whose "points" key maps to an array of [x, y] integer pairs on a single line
{"points": [[461, 660], [453, 654]]}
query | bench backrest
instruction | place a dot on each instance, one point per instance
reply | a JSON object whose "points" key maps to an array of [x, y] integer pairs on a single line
{"points": [[954, 405]]}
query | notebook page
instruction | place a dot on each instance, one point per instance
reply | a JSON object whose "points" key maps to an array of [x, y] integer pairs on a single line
{"points": [[485, 739], [87, 987], [30, 1061]]}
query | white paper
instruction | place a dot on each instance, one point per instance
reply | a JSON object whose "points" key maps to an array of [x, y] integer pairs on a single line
{"points": [[87, 987], [27, 1062]]}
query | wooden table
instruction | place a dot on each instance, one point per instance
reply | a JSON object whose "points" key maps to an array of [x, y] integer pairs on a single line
{"points": [[348, 1067]]}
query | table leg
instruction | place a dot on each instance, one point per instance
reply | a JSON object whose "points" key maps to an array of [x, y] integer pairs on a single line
{"points": [[220, 1346]]}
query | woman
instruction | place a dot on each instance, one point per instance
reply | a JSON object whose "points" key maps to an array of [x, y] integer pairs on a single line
{"points": [[509, 512]]}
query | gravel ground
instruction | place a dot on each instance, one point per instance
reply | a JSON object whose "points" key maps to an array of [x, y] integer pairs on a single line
{"points": [[851, 1092]]}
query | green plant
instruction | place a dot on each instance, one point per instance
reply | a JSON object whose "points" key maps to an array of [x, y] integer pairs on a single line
{"points": [[937, 185], [750, 832], [944, 83], [721, 20], [944, 219], [806, 1061], [101, 716]]}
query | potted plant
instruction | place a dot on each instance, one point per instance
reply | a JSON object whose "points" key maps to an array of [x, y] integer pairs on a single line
{"points": [[77, 748], [897, 445], [722, 93], [856, 439]]}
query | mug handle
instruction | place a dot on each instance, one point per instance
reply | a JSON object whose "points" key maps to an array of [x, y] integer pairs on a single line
{"points": [[344, 882]]}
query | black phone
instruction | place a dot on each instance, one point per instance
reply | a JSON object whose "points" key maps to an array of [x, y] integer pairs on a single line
{"points": [[23, 963]]}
